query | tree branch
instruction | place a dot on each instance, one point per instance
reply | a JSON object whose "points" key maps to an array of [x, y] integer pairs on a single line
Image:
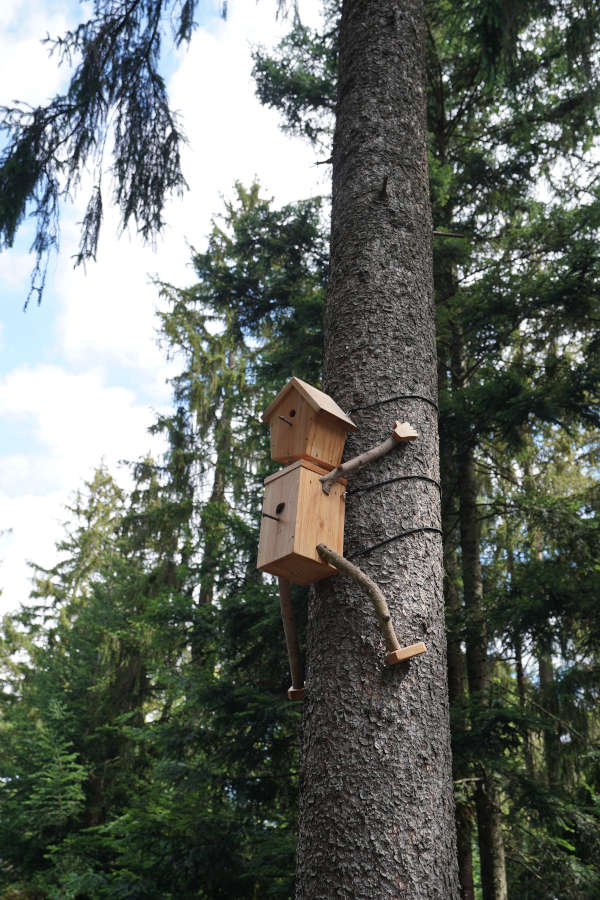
{"points": [[395, 653], [402, 433]]}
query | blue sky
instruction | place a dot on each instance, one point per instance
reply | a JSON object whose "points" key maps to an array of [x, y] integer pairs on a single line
{"points": [[81, 376]]}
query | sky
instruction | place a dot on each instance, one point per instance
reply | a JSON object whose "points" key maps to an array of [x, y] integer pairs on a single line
{"points": [[82, 376]]}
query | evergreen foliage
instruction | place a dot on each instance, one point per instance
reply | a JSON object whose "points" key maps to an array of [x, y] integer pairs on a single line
{"points": [[116, 98]]}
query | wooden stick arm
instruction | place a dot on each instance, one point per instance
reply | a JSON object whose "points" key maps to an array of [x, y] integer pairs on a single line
{"points": [[375, 595], [395, 653], [402, 433]]}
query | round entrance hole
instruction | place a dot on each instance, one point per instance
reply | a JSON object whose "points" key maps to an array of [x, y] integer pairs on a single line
{"points": [[292, 413], [279, 508]]}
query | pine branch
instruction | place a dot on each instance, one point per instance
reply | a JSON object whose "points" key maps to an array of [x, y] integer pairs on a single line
{"points": [[116, 88]]}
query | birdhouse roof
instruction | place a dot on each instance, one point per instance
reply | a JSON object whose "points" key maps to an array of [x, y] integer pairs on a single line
{"points": [[315, 398]]}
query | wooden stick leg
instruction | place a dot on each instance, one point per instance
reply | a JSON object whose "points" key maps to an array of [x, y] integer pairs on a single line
{"points": [[296, 692], [395, 653]]}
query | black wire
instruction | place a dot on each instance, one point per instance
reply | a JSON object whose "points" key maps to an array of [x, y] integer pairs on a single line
{"points": [[397, 397], [370, 487], [395, 537]]}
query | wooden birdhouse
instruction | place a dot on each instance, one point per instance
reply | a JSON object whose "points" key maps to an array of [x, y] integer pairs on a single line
{"points": [[307, 424], [302, 527], [298, 515]]}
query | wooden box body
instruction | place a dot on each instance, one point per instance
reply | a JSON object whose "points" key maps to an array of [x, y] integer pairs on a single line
{"points": [[307, 424], [308, 517]]}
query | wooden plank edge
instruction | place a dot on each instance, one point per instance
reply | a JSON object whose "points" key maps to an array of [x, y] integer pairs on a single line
{"points": [[295, 693], [396, 656]]}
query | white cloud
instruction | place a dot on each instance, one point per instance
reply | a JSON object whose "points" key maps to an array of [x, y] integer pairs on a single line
{"points": [[27, 72], [14, 269], [231, 136], [75, 419], [36, 525], [109, 310]]}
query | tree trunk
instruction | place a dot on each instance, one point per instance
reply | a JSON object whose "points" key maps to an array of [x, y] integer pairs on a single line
{"points": [[458, 703], [551, 732], [489, 823], [521, 690], [455, 627], [211, 520], [376, 807], [212, 524]]}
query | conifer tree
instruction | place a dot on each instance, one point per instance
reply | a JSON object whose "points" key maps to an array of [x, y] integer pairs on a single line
{"points": [[496, 129]]}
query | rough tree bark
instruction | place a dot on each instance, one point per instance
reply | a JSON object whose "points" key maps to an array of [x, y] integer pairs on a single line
{"points": [[376, 807]]}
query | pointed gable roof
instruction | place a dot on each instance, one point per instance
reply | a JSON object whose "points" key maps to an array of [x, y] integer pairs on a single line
{"points": [[315, 398]]}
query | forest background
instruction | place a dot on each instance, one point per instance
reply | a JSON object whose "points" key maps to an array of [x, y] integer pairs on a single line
{"points": [[148, 748]]}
